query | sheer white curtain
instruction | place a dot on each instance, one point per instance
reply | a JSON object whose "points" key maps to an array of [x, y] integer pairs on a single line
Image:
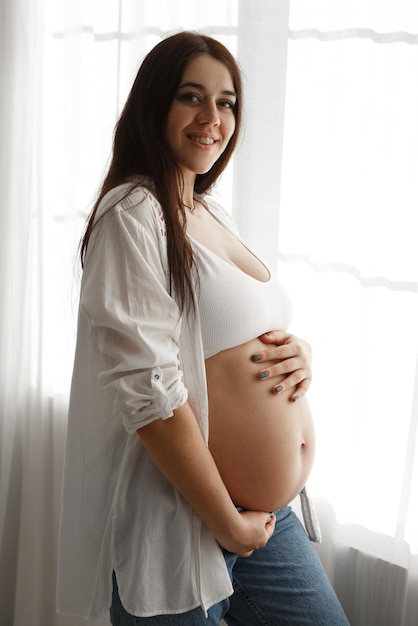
{"points": [[347, 237], [323, 184]]}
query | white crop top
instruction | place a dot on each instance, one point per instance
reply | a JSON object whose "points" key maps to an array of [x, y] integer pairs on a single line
{"points": [[234, 307]]}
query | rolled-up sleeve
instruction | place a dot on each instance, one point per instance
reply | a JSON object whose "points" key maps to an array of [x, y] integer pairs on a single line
{"points": [[133, 320]]}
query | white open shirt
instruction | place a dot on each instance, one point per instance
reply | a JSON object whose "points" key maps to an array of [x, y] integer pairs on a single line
{"points": [[136, 360]]}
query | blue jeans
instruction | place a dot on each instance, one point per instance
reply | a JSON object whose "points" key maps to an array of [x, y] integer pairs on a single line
{"points": [[281, 584]]}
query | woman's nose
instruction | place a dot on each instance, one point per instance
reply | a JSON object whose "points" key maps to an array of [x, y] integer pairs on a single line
{"points": [[209, 114]]}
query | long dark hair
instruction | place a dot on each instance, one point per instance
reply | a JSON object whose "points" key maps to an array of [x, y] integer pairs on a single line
{"points": [[140, 146]]}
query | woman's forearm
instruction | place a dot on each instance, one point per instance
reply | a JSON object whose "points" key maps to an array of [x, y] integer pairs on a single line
{"points": [[177, 447]]}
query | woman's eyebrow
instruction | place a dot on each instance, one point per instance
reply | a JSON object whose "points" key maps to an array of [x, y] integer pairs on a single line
{"points": [[226, 92]]}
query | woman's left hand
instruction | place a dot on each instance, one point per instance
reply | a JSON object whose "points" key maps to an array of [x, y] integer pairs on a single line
{"points": [[292, 362]]}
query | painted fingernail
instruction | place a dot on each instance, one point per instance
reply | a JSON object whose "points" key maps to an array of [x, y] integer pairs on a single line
{"points": [[278, 389], [256, 357], [263, 374], [295, 398]]}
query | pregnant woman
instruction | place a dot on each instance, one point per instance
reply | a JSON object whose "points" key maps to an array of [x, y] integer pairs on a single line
{"points": [[186, 440]]}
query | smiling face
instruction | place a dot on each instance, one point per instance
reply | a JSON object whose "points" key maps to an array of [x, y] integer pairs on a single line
{"points": [[201, 119]]}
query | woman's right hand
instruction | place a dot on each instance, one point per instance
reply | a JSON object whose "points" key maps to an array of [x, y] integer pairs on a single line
{"points": [[253, 531]]}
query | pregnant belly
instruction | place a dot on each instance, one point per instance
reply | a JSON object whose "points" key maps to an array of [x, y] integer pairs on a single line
{"points": [[262, 443]]}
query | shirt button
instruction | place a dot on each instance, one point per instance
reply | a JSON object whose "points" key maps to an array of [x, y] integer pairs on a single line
{"points": [[156, 376]]}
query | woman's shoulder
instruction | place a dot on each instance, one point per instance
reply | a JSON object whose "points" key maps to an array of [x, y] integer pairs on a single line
{"points": [[133, 200]]}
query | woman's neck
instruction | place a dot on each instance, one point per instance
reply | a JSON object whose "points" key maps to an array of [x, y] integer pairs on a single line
{"points": [[188, 190]]}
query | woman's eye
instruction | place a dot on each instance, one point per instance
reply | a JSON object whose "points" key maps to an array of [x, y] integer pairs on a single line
{"points": [[227, 104], [189, 97]]}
